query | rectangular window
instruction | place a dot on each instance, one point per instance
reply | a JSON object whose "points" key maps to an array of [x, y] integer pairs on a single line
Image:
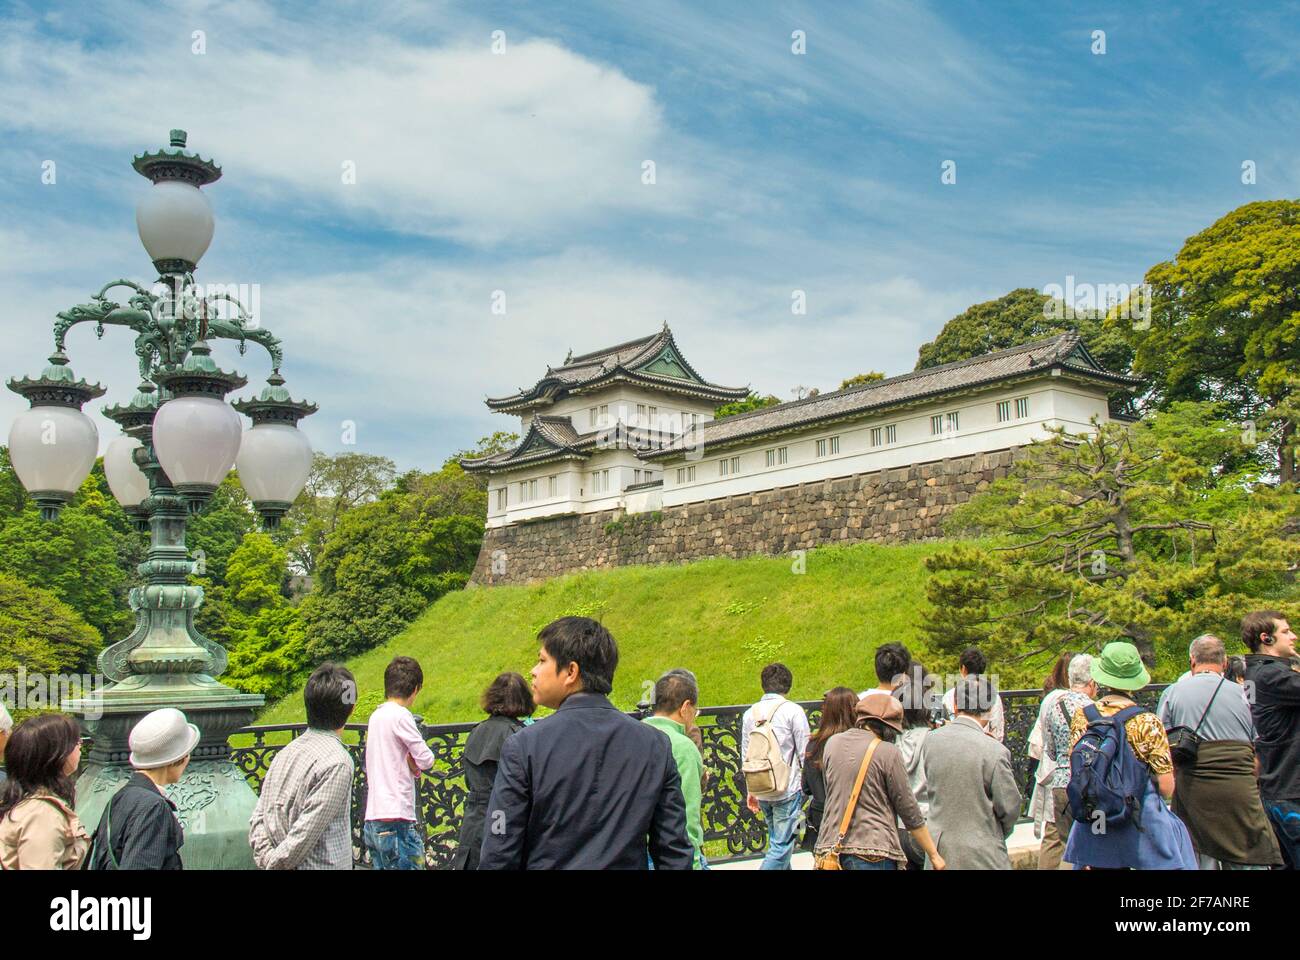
{"points": [[770, 457], [654, 415], [640, 414], [553, 486], [1022, 407], [936, 425], [735, 465], [722, 467], [953, 423], [636, 476], [592, 414], [891, 433], [532, 489], [1004, 410], [501, 498], [782, 454], [821, 448], [877, 434], [685, 474], [690, 474], [835, 444]]}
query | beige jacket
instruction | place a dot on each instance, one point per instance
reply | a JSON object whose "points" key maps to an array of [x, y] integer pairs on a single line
{"points": [[42, 833]]}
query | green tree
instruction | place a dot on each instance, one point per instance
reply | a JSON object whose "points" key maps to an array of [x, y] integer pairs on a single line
{"points": [[755, 401], [1134, 532], [40, 632], [266, 637], [335, 485], [871, 376], [388, 560], [1018, 317], [13, 498], [75, 557], [1225, 319], [216, 533]]}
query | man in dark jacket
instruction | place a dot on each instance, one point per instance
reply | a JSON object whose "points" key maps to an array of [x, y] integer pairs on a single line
{"points": [[587, 788], [1273, 689]]}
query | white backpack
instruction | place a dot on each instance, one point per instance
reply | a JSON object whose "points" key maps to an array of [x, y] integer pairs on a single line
{"points": [[767, 774]]}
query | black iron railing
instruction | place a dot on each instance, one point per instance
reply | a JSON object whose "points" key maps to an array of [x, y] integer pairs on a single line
{"points": [[727, 820]]}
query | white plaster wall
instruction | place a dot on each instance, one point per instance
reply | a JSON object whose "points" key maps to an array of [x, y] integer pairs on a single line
{"points": [[1052, 402], [575, 494], [643, 501], [978, 431], [567, 498], [622, 400]]}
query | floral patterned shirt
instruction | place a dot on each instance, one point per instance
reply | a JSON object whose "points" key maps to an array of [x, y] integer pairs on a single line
{"points": [[1057, 739], [1146, 734]]}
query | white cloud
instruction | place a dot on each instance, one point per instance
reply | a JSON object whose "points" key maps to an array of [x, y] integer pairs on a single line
{"points": [[451, 141]]}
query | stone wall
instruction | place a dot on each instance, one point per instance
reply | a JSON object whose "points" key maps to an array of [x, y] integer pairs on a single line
{"points": [[902, 503]]}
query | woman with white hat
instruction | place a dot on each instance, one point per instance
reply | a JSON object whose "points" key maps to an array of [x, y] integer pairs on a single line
{"points": [[139, 829]]}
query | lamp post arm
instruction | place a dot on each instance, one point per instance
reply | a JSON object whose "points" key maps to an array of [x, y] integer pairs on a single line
{"points": [[234, 329], [149, 341], [122, 283]]}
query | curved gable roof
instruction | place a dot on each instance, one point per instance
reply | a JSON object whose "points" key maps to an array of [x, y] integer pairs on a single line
{"points": [[654, 361]]}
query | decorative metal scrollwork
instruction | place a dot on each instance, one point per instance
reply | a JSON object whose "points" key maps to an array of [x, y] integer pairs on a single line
{"points": [[440, 800]]}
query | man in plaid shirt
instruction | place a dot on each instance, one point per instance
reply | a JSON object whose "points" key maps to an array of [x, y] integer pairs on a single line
{"points": [[301, 819]]}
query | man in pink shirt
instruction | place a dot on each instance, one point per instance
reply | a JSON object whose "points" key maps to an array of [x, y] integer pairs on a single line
{"points": [[395, 754]]}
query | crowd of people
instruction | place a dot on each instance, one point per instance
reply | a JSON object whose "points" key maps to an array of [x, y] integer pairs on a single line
{"points": [[899, 776]]}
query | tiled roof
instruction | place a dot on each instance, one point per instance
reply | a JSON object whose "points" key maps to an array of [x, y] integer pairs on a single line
{"points": [[619, 361], [1064, 350], [554, 438]]}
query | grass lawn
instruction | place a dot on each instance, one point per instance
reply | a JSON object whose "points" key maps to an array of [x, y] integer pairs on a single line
{"points": [[723, 619]]}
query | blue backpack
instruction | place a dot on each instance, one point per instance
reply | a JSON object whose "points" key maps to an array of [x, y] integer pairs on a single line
{"points": [[1105, 774]]}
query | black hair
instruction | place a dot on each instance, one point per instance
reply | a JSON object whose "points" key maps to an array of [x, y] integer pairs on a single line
{"points": [[508, 696], [891, 660], [974, 661], [881, 729], [915, 696], [973, 694], [402, 677], [330, 696], [1236, 669], [776, 678], [34, 758], [1259, 622], [585, 642], [673, 689]]}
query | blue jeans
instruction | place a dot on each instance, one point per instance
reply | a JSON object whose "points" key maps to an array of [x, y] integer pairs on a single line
{"points": [[394, 844], [849, 862], [782, 817]]}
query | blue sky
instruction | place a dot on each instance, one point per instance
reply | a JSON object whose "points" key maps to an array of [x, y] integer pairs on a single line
{"points": [[521, 171]]}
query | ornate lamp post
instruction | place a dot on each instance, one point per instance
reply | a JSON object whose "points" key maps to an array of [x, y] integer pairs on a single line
{"points": [[179, 439]]}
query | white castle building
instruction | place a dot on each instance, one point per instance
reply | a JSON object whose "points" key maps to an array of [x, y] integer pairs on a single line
{"points": [[631, 427]]}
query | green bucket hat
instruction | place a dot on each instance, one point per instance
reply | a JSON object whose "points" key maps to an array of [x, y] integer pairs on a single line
{"points": [[1120, 667]]}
